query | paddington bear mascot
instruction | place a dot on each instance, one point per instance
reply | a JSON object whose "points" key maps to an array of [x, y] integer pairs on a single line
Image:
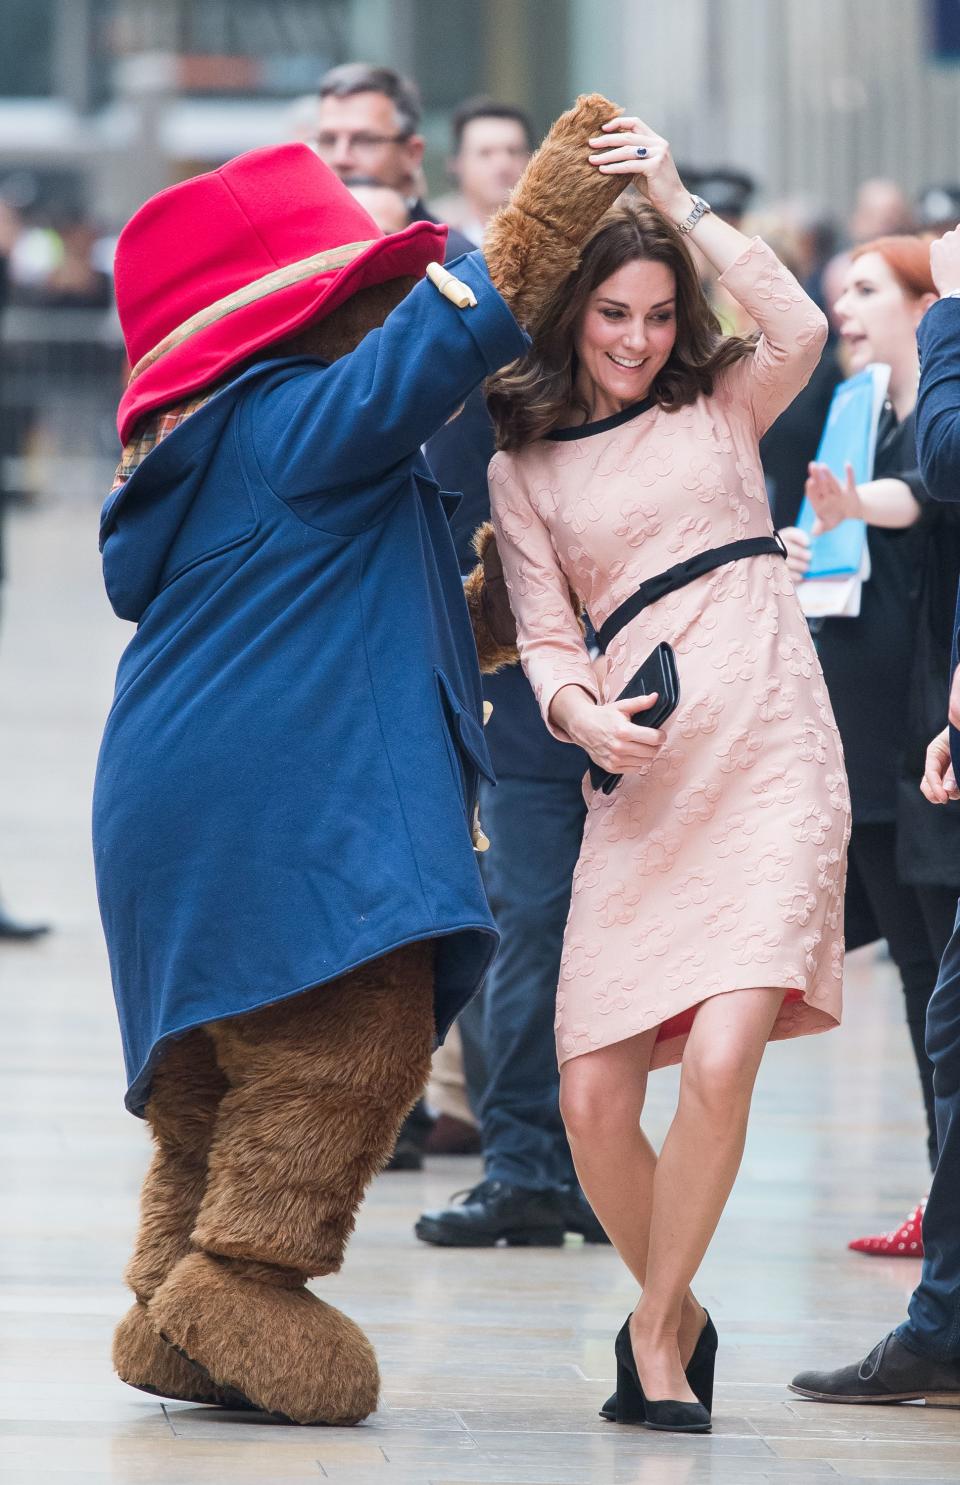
{"points": [[285, 793]]}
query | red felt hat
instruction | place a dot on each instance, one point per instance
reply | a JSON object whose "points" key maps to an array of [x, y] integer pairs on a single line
{"points": [[210, 270]]}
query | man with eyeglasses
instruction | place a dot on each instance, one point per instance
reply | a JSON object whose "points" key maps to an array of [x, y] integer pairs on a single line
{"points": [[368, 124]]}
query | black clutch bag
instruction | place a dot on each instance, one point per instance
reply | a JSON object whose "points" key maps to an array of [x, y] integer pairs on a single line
{"points": [[657, 673]]}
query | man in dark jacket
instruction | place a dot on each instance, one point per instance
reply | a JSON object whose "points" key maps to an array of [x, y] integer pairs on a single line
{"points": [[921, 1359], [534, 818]]}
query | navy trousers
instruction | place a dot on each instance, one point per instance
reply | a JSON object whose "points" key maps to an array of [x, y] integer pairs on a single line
{"points": [[933, 1327], [535, 826]]}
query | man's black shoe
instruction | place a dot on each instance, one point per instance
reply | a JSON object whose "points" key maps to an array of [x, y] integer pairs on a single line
{"points": [[21, 932], [493, 1212], [407, 1154], [891, 1373], [412, 1139], [579, 1216]]}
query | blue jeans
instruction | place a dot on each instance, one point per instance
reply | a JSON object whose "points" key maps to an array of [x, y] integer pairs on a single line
{"points": [[535, 827], [933, 1327]]}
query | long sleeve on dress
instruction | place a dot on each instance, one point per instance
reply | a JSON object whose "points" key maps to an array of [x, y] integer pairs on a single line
{"points": [[549, 637], [793, 334]]}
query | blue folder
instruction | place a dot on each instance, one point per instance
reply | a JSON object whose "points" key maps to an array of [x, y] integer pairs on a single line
{"points": [[849, 437]]}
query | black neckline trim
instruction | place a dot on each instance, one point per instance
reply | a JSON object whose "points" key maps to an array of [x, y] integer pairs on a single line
{"points": [[587, 430]]}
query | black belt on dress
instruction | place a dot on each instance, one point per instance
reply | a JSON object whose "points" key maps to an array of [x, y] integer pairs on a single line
{"points": [[682, 574]]}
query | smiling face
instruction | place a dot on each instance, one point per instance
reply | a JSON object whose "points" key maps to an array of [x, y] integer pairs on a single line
{"points": [[624, 336], [878, 319]]}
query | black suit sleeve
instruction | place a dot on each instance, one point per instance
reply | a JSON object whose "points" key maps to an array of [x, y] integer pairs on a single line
{"points": [[938, 402]]}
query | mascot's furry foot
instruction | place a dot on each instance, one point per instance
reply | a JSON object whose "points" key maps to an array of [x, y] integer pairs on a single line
{"points": [[303, 1127], [143, 1360], [265, 1341], [186, 1094]]}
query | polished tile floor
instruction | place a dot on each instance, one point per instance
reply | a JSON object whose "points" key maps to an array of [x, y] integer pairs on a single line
{"points": [[494, 1362]]}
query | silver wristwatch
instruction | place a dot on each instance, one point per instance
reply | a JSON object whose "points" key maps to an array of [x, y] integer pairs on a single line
{"points": [[700, 209]]}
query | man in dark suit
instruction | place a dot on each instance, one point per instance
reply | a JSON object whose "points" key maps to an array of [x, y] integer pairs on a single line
{"points": [[921, 1359], [534, 817]]}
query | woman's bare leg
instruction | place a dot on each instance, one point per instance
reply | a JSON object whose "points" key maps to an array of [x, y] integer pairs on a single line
{"points": [[696, 1170], [601, 1099]]}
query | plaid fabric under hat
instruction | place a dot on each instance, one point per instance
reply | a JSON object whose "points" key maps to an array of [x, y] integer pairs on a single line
{"points": [[154, 430]]}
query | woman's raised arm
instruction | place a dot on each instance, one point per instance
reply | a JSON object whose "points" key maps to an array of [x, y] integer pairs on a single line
{"points": [[628, 146], [793, 328]]}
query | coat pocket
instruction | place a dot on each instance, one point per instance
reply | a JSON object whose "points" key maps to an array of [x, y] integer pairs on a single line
{"points": [[464, 734]]}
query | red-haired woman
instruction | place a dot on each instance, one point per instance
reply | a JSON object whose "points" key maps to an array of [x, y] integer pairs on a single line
{"points": [[887, 670]]}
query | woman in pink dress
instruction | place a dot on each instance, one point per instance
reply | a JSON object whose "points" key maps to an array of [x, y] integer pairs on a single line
{"points": [[706, 916]]}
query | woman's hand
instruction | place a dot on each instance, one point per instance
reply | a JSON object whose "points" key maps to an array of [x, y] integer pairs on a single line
{"points": [[605, 731], [797, 543], [832, 501], [939, 781], [617, 151]]}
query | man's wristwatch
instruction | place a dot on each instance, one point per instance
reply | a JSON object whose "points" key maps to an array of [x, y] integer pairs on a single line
{"points": [[700, 209]]}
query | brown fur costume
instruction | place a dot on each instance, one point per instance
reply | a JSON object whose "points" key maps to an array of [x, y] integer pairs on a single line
{"points": [[494, 627], [268, 1127]]}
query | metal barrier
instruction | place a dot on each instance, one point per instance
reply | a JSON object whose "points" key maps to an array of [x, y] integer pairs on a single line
{"points": [[61, 375]]}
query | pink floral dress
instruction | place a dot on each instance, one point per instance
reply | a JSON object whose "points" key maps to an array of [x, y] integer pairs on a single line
{"points": [[722, 866]]}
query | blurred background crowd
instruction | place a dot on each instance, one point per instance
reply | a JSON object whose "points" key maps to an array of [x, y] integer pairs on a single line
{"points": [[823, 125], [831, 123]]}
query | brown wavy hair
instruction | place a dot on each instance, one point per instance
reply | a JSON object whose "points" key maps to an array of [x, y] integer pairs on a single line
{"points": [[536, 393]]}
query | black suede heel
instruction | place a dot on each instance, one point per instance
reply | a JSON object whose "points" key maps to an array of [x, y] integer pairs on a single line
{"points": [[702, 1364], [677, 1417], [700, 1371], [667, 1415], [628, 1400]]}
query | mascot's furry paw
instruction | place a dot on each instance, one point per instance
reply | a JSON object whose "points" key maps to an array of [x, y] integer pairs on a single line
{"points": [[143, 1360], [533, 243], [494, 627], [263, 1338]]}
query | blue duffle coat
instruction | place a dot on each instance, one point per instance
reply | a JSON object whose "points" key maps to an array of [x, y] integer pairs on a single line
{"points": [[287, 775]]}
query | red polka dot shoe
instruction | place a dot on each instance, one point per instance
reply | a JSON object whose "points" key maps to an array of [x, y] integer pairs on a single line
{"points": [[906, 1242]]}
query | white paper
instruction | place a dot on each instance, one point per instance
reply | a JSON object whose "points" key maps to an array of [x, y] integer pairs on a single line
{"points": [[835, 598]]}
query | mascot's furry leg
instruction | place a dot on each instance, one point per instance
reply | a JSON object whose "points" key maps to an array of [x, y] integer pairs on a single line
{"points": [[318, 1087], [187, 1089]]}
